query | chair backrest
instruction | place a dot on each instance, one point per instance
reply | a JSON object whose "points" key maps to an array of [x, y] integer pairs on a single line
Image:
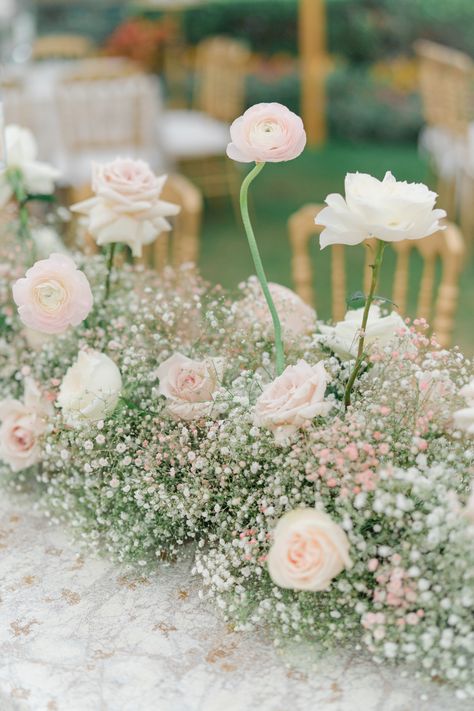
{"points": [[221, 68], [108, 114], [62, 46], [174, 248], [447, 246], [446, 84], [181, 245]]}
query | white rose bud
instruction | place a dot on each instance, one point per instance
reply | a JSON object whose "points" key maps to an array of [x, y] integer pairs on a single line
{"points": [[343, 338], [90, 389]]}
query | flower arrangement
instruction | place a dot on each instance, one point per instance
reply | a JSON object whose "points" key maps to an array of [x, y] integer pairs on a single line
{"points": [[324, 471]]}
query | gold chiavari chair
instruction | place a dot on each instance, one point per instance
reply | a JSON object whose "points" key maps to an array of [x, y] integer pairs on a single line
{"points": [[196, 139], [174, 248], [446, 79], [446, 246], [62, 46]]}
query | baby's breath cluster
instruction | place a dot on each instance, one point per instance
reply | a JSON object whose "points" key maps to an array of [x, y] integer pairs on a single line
{"points": [[162, 423]]}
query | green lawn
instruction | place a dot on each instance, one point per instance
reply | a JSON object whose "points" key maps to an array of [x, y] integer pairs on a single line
{"points": [[283, 188]]}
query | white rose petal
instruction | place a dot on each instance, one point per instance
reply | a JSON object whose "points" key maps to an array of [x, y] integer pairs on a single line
{"points": [[388, 209], [90, 389]]}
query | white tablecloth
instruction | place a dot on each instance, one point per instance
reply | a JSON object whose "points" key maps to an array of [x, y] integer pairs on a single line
{"points": [[79, 634], [35, 106]]}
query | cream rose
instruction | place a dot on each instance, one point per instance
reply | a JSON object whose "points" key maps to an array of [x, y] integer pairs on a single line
{"points": [[343, 338], [388, 209], [22, 424], [464, 419], [309, 550], [21, 153], [190, 385], [127, 206], [296, 318], [90, 389], [294, 398]]}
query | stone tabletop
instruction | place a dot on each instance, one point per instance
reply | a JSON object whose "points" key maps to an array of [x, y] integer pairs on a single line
{"points": [[80, 634]]}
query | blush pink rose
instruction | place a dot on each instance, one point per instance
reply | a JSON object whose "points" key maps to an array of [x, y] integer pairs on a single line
{"points": [[22, 424], [266, 133], [309, 550], [53, 295], [127, 206], [293, 399], [296, 317], [189, 385]]}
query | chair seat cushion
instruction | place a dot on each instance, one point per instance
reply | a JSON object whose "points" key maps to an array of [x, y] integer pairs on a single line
{"points": [[191, 134]]}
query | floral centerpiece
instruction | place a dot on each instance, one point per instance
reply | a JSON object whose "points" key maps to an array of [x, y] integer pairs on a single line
{"points": [[324, 471]]}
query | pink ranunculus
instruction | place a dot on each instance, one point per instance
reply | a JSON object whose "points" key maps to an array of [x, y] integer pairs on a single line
{"points": [[22, 424], [309, 550], [126, 206], [266, 133], [294, 398], [189, 385], [53, 295]]}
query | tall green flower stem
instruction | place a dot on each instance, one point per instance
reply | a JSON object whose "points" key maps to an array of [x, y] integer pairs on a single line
{"points": [[110, 264], [15, 179], [370, 297], [257, 260]]}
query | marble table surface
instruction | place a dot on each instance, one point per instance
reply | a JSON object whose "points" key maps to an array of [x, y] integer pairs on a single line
{"points": [[80, 634]]}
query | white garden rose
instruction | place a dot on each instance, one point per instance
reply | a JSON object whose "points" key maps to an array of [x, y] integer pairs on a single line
{"points": [[309, 550], [388, 209], [22, 151], [296, 317], [343, 338], [127, 205], [293, 399], [90, 389], [190, 385]]}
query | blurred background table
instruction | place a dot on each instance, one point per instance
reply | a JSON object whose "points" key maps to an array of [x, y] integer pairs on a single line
{"points": [[80, 634]]}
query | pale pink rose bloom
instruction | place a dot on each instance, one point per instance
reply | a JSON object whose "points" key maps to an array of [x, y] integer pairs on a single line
{"points": [[53, 295], [22, 424], [127, 206], [266, 133], [309, 550], [190, 385], [296, 317], [388, 209], [293, 399]]}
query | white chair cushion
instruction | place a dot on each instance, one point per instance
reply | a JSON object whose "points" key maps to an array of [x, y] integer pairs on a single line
{"points": [[191, 134]]}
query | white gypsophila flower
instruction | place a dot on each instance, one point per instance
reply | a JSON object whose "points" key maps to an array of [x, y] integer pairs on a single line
{"points": [[90, 389], [21, 152], [387, 209], [343, 337]]}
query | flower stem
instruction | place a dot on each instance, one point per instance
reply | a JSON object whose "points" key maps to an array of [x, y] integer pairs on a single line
{"points": [[279, 352], [110, 264], [370, 297]]}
